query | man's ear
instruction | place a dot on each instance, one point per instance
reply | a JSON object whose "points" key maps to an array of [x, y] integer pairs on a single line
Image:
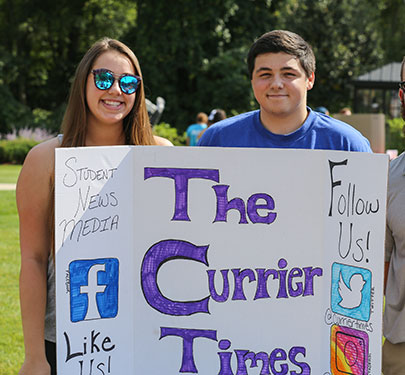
{"points": [[311, 81]]}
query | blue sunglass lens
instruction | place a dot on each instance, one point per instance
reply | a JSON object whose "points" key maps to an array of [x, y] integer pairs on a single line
{"points": [[103, 80], [129, 84]]}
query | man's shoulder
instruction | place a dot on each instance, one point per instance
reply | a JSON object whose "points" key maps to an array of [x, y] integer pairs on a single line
{"points": [[228, 129], [342, 132], [396, 176], [397, 165], [234, 121], [336, 126]]}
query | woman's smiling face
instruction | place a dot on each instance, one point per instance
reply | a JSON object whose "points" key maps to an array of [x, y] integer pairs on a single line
{"points": [[109, 106]]}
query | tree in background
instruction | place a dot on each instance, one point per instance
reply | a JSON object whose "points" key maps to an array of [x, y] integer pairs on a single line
{"points": [[192, 52], [173, 40], [392, 21], [42, 42], [346, 42]]}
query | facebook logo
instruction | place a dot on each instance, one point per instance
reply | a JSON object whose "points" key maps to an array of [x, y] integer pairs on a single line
{"points": [[93, 289]]}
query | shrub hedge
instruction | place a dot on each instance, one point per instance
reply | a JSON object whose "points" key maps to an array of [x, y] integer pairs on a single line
{"points": [[15, 151], [166, 131]]}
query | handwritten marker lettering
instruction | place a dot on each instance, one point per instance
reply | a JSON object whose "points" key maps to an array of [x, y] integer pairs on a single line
{"points": [[277, 360], [74, 174], [291, 283], [181, 177]]}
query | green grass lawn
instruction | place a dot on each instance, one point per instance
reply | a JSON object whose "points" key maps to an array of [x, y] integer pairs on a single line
{"points": [[11, 338], [9, 173]]}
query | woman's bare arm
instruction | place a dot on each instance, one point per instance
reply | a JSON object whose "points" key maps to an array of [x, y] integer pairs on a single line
{"points": [[33, 203]]}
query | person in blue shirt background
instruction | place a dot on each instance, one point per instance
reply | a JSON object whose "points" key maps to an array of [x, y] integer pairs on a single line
{"points": [[282, 69], [195, 129]]}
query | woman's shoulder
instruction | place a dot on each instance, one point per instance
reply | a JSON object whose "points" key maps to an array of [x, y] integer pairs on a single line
{"points": [[40, 159], [162, 141], [46, 147]]}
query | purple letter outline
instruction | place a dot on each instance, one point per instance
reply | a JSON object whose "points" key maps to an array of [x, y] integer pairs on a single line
{"points": [[154, 258], [181, 177], [188, 335]]}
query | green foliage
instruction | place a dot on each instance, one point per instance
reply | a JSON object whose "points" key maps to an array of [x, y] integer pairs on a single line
{"points": [[49, 39], [184, 51], [346, 42], [395, 135], [171, 51], [391, 26], [166, 131], [224, 83], [13, 114], [15, 151], [195, 60]]}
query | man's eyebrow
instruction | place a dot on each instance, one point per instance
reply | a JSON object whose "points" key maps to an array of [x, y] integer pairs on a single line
{"points": [[266, 69], [263, 68]]}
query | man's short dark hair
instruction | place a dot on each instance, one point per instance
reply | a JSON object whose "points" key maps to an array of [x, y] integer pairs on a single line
{"points": [[282, 41]]}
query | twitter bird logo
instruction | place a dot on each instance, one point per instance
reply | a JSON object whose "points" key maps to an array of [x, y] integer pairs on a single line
{"points": [[351, 291], [351, 296]]}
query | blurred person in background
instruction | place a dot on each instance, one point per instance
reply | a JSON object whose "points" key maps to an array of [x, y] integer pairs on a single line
{"points": [[194, 130]]}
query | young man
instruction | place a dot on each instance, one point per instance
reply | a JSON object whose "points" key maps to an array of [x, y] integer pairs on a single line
{"points": [[282, 69], [394, 316]]}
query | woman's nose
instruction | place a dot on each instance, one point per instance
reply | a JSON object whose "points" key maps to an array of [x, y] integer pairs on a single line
{"points": [[115, 88]]}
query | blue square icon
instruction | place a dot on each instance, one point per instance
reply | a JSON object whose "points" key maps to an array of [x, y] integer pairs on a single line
{"points": [[93, 289], [351, 291]]}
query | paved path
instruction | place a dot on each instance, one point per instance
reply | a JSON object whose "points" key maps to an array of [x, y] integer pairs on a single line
{"points": [[7, 186]]}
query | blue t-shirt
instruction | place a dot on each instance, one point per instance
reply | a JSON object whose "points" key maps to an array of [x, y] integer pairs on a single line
{"points": [[193, 131], [319, 131]]}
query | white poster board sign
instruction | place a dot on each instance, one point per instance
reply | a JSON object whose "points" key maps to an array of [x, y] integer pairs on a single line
{"points": [[219, 261]]}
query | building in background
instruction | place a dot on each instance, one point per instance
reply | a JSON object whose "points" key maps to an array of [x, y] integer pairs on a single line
{"points": [[377, 91]]}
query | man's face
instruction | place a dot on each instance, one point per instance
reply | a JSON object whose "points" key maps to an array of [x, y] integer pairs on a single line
{"points": [[280, 85]]}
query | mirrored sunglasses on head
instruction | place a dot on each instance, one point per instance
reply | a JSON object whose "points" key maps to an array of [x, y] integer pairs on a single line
{"points": [[104, 79]]}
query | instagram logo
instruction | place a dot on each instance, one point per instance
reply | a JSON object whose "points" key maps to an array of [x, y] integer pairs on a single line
{"points": [[349, 351]]}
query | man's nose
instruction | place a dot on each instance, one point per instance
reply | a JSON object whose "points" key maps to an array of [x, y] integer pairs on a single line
{"points": [[277, 82]]}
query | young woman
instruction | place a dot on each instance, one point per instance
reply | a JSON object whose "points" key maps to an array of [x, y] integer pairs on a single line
{"points": [[106, 107]]}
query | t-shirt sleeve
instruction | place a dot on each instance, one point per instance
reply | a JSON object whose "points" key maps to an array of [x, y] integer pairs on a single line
{"points": [[366, 146], [361, 144]]}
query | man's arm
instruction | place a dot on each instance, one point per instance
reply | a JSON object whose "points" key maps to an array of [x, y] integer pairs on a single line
{"points": [[386, 267], [389, 245]]}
